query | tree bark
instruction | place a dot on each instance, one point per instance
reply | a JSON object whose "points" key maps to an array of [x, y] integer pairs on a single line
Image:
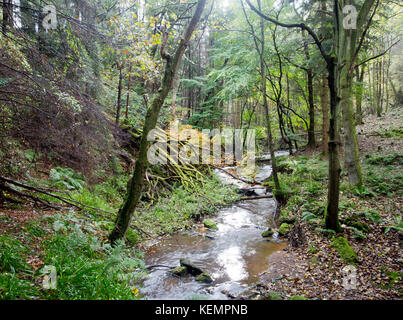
{"points": [[135, 185], [309, 73], [324, 98], [358, 94], [119, 96], [128, 92], [7, 15]]}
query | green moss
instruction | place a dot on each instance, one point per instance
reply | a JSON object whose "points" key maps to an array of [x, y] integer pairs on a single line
{"points": [[210, 224], [284, 229], [296, 297], [344, 250], [180, 271], [204, 277], [273, 295], [267, 233]]}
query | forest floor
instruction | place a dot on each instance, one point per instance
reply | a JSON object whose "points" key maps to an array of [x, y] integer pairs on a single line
{"points": [[370, 218]]}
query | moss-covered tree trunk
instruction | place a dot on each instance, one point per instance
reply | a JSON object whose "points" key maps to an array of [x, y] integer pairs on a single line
{"points": [[118, 103], [324, 99], [348, 48], [358, 94], [136, 183], [309, 73], [128, 92], [332, 210]]}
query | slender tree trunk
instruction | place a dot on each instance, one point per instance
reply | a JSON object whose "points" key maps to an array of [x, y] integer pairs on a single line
{"points": [[128, 92], [324, 97], [278, 193], [379, 88], [332, 210], [358, 94], [7, 15], [174, 95], [118, 104], [135, 185], [309, 73], [374, 89]]}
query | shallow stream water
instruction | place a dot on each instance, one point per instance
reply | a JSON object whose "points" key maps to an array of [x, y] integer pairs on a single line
{"points": [[234, 255]]}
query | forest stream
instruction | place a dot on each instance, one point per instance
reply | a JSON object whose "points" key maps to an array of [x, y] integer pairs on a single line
{"points": [[234, 255]]}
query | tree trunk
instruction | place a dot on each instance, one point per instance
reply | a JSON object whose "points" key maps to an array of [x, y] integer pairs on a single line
{"points": [[135, 185], [128, 92], [311, 129], [277, 193], [332, 210], [358, 94], [324, 98], [119, 96], [7, 15], [309, 73]]}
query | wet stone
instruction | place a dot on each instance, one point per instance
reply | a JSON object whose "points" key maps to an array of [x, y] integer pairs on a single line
{"points": [[204, 277]]}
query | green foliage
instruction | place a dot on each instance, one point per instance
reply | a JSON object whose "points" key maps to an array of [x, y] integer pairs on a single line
{"points": [[325, 231], [296, 297], [358, 234], [372, 215], [385, 159], [362, 191], [173, 209], [12, 255], [88, 269], [12, 287], [391, 133], [66, 178], [273, 295], [397, 225]]}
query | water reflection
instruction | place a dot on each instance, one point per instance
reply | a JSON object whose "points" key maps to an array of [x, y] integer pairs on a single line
{"points": [[231, 260]]}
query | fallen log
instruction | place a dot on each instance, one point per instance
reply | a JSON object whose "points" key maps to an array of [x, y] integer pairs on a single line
{"points": [[234, 176], [257, 197]]}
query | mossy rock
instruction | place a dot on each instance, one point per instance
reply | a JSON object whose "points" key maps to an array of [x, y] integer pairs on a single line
{"points": [[273, 295], [210, 224], [344, 250], [180, 271], [284, 229], [204, 277], [296, 297], [267, 233], [191, 267]]}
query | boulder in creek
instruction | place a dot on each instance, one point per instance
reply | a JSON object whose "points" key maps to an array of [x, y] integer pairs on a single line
{"points": [[204, 277], [180, 271], [191, 267], [210, 224], [268, 233]]}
